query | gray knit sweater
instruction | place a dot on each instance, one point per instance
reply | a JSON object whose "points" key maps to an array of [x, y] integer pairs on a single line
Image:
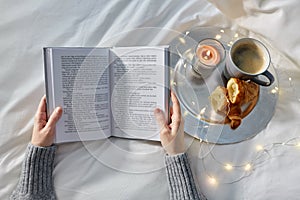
{"points": [[36, 181]]}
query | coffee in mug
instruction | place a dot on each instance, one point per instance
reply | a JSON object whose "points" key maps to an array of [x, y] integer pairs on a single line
{"points": [[248, 58]]}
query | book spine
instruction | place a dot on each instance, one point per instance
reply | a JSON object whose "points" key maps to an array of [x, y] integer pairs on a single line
{"points": [[48, 75], [167, 82]]}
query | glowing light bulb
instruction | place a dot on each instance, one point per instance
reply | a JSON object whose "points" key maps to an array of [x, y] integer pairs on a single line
{"points": [[182, 40], [259, 148], [185, 113], [212, 180], [230, 43], [228, 167], [218, 36], [247, 167], [273, 91], [202, 111]]}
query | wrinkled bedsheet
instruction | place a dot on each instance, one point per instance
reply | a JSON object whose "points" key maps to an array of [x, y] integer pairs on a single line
{"points": [[264, 167]]}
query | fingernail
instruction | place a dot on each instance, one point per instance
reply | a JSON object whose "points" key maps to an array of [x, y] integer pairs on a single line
{"points": [[58, 110], [157, 110]]}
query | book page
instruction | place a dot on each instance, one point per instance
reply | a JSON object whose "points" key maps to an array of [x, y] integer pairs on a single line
{"points": [[81, 86], [140, 84]]}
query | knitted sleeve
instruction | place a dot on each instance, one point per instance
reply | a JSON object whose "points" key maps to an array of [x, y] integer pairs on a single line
{"points": [[180, 178], [36, 180]]}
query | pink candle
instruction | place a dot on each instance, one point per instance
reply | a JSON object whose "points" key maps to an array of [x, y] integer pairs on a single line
{"points": [[208, 55]]}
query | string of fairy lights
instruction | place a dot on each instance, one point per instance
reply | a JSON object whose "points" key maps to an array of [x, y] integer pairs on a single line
{"points": [[262, 155]]}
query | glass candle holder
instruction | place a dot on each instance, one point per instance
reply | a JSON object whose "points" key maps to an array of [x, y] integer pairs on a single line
{"points": [[208, 55]]}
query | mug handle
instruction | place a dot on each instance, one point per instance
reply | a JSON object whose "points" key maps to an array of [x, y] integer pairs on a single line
{"points": [[264, 83]]}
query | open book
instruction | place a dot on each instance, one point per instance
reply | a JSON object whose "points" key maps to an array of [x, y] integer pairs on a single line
{"points": [[106, 91]]}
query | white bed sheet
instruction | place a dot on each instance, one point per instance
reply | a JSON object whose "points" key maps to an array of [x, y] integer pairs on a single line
{"points": [[133, 169]]}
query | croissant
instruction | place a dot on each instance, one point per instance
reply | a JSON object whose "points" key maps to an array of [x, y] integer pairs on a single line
{"points": [[241, 92], [229, 100], [236, 90], [235, 115], [251, 91]]}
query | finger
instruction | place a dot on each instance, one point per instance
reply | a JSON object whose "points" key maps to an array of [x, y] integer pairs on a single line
{"points": [[40, 115], [42, 106], [54, 117], [160, 118], [176, 107], [176, 115]]}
